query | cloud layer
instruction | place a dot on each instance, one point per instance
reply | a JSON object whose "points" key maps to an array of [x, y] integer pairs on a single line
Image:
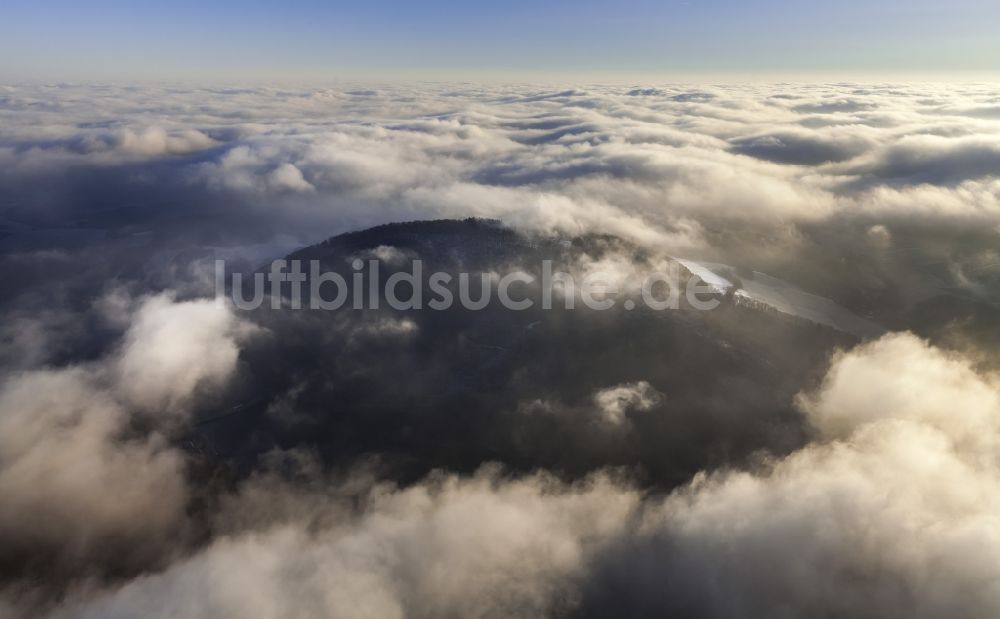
{"points": [[164, 455], [888, 512], [757, 174]]}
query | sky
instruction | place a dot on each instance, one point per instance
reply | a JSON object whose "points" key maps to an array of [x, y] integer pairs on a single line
{"points": [[310, 39]]}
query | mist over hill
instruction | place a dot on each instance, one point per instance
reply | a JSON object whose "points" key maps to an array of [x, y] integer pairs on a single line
{"points": [[821, 442], [457, 388]]}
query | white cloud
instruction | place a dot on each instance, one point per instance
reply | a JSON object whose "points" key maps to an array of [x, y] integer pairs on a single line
{"points": [[78, 482], [614, 402], [890, 512], [173, 349], [287, 176], [594, 159], [478, 547], [72, 486]]}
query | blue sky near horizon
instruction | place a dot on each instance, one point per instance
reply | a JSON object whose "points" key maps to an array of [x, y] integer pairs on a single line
{"points": [[308, 38]]}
